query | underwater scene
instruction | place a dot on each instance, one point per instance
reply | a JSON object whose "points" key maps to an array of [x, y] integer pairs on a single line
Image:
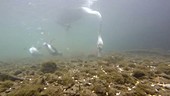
{"points": [[84, 47]]}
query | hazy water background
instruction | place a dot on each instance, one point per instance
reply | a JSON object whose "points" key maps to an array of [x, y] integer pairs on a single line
{"points": [[127, 24]]}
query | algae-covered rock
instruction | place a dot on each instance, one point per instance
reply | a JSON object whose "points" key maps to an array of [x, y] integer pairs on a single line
{"points": [[48, 67], [52, 91], [5, 85], [17, 72], [138, 74], [132, 65], [114, 59], [99, 89], [111, 91], [128, 75], [87, 92], [128, 79], [27, 90], [163, 68], [66, 80], [4, 77], [143, 89]]}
